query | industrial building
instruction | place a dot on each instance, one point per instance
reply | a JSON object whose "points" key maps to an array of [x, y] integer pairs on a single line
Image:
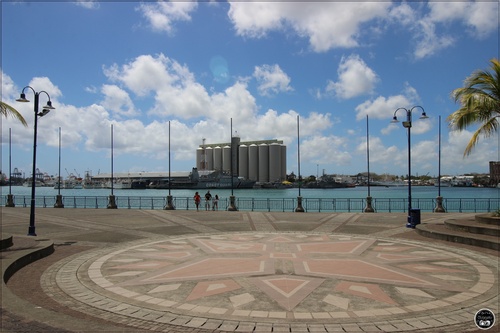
{"points": [[261, 161]]}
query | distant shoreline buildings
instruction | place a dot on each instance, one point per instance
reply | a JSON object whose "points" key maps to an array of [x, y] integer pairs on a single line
{"points": [[262, 161]]}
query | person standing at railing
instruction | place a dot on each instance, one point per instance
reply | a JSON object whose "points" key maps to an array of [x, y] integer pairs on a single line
{"points": [[215, 203], [197, 200], [208, 198]]}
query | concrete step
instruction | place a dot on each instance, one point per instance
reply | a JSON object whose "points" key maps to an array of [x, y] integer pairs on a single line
{"points": [[488, 219], [473, 226], [442, 232], [5, 242]]}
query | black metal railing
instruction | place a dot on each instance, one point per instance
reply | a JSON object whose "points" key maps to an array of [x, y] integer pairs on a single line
{"points": [[354, 205]]}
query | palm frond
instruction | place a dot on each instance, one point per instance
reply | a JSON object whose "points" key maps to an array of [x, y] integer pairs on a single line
{"points": [[8, 110], [479, 100]]}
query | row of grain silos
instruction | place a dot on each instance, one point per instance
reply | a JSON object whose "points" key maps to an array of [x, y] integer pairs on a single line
{"points": [[260, 162]]}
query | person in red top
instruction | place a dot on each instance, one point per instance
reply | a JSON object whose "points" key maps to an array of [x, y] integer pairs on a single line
{"points": [[197, 200]]}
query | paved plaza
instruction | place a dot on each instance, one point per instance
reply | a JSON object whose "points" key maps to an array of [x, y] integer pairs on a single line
{"points": [[188, 271]]}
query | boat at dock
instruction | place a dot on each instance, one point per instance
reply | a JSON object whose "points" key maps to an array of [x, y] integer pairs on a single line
{"points": [[204, 180]]}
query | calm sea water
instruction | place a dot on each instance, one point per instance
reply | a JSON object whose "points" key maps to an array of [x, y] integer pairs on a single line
{"points": [[424, 192]]}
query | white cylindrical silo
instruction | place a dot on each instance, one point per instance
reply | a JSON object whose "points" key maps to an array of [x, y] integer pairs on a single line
{"points": [[275, 162], [209, 154], [226, 159], [199, 158], [263, 163], [218, 158], [253, 162], [243, 161], [283, 162]]}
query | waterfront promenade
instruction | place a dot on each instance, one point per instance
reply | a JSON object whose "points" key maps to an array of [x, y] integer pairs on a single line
{"points": [[187, 271]]}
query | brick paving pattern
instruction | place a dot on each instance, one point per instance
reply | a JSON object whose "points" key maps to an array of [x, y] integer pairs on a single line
{"points": [[179, 271]]}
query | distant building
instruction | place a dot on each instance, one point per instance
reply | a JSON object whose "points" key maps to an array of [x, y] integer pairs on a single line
{"points": [[494, 173], [263, 161]]}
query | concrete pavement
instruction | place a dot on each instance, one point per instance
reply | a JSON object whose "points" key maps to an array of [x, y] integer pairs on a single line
{"points": [[186, 271]]}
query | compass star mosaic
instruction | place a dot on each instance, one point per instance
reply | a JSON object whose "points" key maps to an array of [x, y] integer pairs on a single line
{"points": [[293, 276]]}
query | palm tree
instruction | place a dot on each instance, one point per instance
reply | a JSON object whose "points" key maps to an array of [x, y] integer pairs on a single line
{"points": [[6, 110], [480, 104]]}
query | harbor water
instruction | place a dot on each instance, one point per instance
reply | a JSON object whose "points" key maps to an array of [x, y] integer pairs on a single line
{"points": [[387, 199]]}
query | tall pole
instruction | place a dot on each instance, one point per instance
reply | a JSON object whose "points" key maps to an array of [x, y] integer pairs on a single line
{"points": [[439, 157], [10, 197], [31, 229], [112, 199], [408, 119], [368, 208], [59, 202], [169, 205], [59, 171], [413, 217], [10, 161], [232, 155], [439, 200], [169, 171], [300, 208], [232, 199], [112, 167], [368, 153], [46, 109]]}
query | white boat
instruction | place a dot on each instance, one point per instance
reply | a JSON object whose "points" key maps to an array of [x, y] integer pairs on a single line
{"points": [[29, 183], [120, 184], [445, 182]]}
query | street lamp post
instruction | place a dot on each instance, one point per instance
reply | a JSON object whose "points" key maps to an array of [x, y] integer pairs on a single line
{"points": [[170, 204], [407, 124], [46, 109], [300, 208]]}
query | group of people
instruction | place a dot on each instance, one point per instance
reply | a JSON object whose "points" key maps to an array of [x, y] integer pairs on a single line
{"points": [[210, 202]]}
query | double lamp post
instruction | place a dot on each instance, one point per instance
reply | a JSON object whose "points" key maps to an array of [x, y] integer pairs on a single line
{"points": [[46, 109], [412, 219]]}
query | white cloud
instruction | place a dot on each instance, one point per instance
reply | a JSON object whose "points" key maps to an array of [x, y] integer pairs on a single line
{"points": [[378, 152], [453, 148], [162, 15], [432, 32], [480, 16], [271, 79], [235, 102], [88, 4], [146, 73], [174, 94], [325, 150], [327, 25], [428, 41], [384, 108], [381, 107], [9, 89], [118, 101], [355, 78]]}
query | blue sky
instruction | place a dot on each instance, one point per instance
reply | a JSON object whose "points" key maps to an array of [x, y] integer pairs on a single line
{"points": [[139, 65]]}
